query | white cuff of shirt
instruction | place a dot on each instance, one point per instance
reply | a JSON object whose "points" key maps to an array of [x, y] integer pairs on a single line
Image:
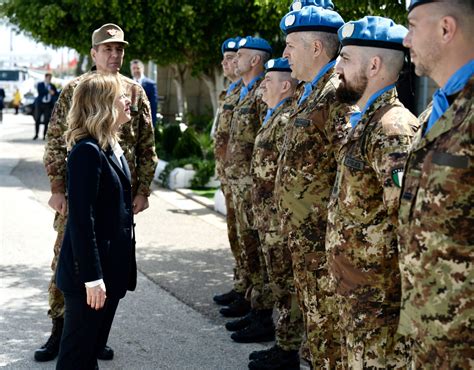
{"points": [[92, 284]]}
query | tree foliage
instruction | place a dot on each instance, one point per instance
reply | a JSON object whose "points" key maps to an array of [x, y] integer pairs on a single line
{"points": [[186, 32]]}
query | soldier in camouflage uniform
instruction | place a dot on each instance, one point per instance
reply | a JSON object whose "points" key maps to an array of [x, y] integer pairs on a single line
{"points": [[361, 238], [228, 99], [137, 141], [436, 216], [278, 88], [246, 121], [307, 169]]}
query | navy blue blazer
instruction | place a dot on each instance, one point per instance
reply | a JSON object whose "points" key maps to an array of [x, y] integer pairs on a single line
{"points": [[151, 91], [43, 91], [98, 239]]}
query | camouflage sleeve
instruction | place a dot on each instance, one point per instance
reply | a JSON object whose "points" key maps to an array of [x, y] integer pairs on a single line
{"points": [[261, 107], [388, 153], [145, 150], [339, 126], [55, 152]]}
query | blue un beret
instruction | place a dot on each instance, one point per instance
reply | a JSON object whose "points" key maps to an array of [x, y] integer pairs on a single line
{"points": [[311, 18], [277, 65], [415, 3], [378, 32], [255, 43], [230, 44], [299, 4]]}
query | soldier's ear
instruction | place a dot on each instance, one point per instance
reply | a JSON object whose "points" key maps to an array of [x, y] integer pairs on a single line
{"points": [[449, 27], [286, 86], [375, 65], [93, 53], [317, 48], [255, 60]]}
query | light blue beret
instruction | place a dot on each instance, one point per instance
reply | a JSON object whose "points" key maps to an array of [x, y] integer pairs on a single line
{"points": [[299, 4], [230, 44], [311, 18], [415, 3], [373, 31], [255, 43], [277, 65]]}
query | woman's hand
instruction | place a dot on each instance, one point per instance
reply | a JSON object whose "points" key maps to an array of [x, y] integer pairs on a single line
{"points": [[96, 296]]}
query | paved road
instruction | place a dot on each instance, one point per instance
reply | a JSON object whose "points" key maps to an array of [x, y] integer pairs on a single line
{"points": [[169, 322]]}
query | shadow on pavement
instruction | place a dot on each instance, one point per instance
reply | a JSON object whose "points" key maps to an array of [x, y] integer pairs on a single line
{"points": [[191, 276], [25, 324], [32, 173]]}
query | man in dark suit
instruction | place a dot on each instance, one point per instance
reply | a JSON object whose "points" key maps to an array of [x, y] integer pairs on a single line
{"points": [[44, 104], [137, 68]]}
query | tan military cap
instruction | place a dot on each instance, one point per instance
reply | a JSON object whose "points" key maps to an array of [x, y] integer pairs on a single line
{"points": [[108, 33]]}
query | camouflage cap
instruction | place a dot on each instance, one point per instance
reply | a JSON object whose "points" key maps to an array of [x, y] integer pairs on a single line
{"points": [[108, 33]]}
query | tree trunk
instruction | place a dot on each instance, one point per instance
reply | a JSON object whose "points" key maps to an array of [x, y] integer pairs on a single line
{"points": [[215, 84], [82, 64], [179, 75]]}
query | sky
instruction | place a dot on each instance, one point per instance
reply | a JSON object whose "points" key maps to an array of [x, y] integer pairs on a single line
{"points": [[25, 51]]}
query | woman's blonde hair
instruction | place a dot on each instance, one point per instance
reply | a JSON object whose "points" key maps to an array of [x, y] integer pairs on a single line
{"points": [[93, 111]]}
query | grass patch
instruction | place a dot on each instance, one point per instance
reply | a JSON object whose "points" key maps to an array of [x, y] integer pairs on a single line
{"points": [[205, 192]]}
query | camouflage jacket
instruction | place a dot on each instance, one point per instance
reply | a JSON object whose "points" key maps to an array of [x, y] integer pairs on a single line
{"points": [[436, 227], [136, 138], [361, 237], [268, 145], [224, 117], [307, 165], [246, 121]]}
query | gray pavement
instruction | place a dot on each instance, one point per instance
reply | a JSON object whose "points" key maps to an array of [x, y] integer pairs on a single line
{"points": [[169, 322]]}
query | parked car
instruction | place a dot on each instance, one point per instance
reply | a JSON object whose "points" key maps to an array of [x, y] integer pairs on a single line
{"points": [[28, 104]]}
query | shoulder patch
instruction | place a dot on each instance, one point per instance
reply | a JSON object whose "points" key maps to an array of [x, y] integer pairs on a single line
{"points": [[397, 176]]}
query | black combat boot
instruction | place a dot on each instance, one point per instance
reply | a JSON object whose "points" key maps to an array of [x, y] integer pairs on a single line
{"points": [[277, 359], [257, 355], [106, 353], [226, 298], [261, 329], [239, 307], [242, 322], [50, 349]]}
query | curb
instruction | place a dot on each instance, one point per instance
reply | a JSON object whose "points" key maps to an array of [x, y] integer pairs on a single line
{"points": [[206, 202]]}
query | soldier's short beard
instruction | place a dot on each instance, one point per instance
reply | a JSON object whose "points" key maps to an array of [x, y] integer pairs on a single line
{"points": [[350, 93]]}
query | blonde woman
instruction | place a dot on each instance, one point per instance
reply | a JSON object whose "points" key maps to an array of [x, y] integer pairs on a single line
{"points": [[97, 260]]}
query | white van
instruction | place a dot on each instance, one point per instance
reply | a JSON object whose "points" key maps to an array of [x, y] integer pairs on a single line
{"points": [[12, 79]]}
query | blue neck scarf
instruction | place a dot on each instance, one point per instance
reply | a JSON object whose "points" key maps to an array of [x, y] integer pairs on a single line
{"points": [[271, 110], [308, 87], [455, 84], [356, 116], [232, 87], [245, 89]]}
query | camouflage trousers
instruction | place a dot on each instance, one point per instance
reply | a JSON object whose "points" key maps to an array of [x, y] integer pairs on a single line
{"points": [[289, 327], [241, 275], [259, 292], [434, 354], [55, 296], [369, 336], [317, 302]]}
